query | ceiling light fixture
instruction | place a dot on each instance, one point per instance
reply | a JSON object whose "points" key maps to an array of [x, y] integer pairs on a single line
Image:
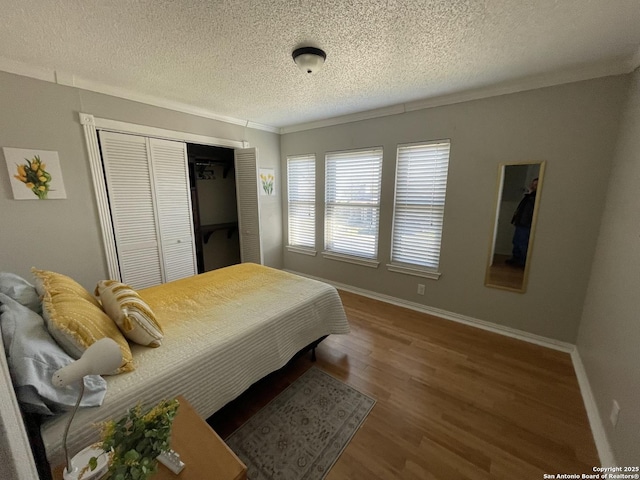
{"points": [[309, 59]]}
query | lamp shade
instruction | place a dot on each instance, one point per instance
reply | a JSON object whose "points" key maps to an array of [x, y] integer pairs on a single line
{"points": [[309, 59], [103, 356]]}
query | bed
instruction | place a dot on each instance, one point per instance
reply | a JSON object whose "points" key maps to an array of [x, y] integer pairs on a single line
{"points": [[223, 331]]}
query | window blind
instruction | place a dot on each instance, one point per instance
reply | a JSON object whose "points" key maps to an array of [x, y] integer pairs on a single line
{"points": [[352, 202], [421, 183], [301, 188]]}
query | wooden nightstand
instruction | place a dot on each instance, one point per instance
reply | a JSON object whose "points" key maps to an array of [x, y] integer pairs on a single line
{"points": [[204, 453]]}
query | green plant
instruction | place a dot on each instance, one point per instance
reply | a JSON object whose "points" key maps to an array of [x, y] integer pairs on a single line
{"points": [[134, 441]]}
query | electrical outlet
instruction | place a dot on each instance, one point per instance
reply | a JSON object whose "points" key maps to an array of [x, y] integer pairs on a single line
{"points": [[420, 289], [615, 412]]}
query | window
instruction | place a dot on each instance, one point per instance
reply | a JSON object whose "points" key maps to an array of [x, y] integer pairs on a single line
{"points": [[421, 183], [301, 188], [352, 204]]}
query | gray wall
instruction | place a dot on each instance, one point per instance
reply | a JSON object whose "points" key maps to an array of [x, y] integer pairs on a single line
{"points": [[270, 206], [64, 235], [609, 337], [573, 127]]}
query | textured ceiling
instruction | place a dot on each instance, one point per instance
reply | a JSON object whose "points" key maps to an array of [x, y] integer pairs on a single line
{"points": [[233, 58]]}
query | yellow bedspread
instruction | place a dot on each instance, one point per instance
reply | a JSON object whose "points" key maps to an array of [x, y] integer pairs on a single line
{"points": [[212, 296], [224, 330]]}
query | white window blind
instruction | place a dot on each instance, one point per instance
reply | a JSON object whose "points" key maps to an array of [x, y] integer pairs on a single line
{"points": [[352, 202], [301, 188], [421, 183]]}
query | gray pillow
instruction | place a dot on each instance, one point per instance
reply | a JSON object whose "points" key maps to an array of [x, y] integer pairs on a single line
{"points": [[33, 357], [20, 290]]}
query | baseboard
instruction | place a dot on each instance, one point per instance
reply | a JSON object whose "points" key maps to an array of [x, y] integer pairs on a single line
{"points": [[455, 317], [607, 459]]}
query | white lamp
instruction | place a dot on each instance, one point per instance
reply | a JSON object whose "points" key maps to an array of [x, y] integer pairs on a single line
{"points": [[309, 59], [101, 357]]}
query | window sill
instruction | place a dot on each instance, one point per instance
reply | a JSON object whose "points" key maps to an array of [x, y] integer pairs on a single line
{"points": [[365, 262], [415, 271], [302, 250]]}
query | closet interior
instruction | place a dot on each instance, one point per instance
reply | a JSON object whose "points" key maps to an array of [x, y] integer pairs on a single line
{"points": [[213, 198]]}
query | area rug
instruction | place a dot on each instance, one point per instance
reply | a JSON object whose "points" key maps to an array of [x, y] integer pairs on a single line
{"points": [[301, 433]]}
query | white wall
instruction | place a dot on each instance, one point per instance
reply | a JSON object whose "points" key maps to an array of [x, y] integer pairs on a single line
{"points": [[573, 127], [64, 235], [609, 337]]}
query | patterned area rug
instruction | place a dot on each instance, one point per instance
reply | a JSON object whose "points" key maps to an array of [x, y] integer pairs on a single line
{"points": [[301, 433]]}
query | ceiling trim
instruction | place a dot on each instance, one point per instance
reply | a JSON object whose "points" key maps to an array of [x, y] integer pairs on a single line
{"points": [[164, 103], [353, 117], [634, 60], [71, 80], [134, 128], [25, 70], [616, 67]]}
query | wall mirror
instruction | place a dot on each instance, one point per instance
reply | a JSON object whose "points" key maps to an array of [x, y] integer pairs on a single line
{"points": [[517, 200]]}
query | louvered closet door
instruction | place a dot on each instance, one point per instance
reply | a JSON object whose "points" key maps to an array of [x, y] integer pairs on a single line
{"points": [[248, 205], [126, 164], [173, 201]]}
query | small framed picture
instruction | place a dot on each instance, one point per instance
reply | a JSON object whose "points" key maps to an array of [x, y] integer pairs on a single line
{"points": [[267, 181], [34, 174]]}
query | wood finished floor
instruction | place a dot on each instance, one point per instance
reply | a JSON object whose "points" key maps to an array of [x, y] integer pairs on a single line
{"points": [[453, 402], [504, 275]]}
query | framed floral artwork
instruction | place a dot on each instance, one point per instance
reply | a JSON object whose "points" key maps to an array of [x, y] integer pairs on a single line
{"points": [[34, 174], [267, 181]]}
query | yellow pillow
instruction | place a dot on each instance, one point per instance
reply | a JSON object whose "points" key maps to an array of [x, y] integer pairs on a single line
{"points": [[76, 323], [56, 283], [132, 314]]}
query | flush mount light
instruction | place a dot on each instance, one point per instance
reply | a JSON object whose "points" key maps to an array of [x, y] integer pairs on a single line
{"points": [[309, 59]]}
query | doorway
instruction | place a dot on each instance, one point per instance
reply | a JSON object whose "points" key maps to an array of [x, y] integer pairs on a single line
{"points": [[214, 206]]}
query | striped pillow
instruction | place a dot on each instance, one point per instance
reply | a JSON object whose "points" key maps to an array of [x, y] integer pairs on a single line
{"points": [[57, 283], [132, 314], [76, 324]]}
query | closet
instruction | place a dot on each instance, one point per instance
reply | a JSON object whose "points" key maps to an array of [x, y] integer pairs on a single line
{"points": [[214, 206], [152, 215], [147, 184]]}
